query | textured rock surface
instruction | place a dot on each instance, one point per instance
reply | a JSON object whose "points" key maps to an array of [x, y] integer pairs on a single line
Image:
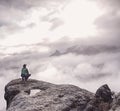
{"points": [[42, 96], [102, 99], [116, 103]]}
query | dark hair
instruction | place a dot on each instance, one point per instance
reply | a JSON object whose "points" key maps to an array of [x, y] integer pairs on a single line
{"points": [[24, 65]]}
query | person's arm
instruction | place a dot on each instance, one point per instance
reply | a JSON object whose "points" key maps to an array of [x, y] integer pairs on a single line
{"points": [[27, 71], [21, 71]]}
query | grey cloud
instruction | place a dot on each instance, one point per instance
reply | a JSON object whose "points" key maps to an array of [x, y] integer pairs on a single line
{"points": [[110, 4], [93, 77], [12, 12], [83, 47], [91, 45], [26, 4], [14, 61], [9, 22], [100, 66], [31, 25], [56, 23], [9, 19], [3, 23], [20, 4], [10, 15], [88, 68], [9, 29], [93, 50], [108, 24], [87, 50], [110, 21], [15, 4], [3, 109]]}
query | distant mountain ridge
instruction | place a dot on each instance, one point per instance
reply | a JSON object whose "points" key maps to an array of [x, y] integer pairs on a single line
{"points": [[88, 50]]}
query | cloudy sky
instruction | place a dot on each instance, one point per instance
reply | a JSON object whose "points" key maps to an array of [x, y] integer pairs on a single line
{"points": [[62, 41]]}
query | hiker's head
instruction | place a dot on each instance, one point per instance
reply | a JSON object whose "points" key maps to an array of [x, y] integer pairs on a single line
{"points": [[24, 65]]}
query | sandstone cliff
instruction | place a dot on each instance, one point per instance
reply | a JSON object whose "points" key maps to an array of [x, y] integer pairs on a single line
{"points": [[43, 96]]}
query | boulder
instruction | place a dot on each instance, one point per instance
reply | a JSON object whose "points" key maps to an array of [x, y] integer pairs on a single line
{"points": [[104, 93], [102, 100], [43, 96], [35, 95]]}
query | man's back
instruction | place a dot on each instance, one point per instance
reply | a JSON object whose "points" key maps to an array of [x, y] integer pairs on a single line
{"points": [[24, 71]]}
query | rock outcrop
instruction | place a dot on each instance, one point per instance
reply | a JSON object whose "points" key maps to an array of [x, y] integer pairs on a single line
{"points": [[37, 95], [102, 100], [46, 96]]}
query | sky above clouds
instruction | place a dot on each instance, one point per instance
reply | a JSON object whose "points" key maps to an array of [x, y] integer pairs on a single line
{"points": [[62, 41]]}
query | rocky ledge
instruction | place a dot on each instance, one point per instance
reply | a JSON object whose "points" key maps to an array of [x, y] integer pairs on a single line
{"points": [[35, 95]]}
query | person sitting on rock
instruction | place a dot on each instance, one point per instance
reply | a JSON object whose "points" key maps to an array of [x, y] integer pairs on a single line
{"points": [[25, 73]]}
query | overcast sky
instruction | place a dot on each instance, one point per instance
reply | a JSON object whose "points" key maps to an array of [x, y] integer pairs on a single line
{"points": [[62, 41]]}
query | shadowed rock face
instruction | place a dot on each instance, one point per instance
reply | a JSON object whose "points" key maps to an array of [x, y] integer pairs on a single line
{"points": [[42, 96]]}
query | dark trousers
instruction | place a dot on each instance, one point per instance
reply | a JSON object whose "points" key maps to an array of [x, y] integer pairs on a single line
{"points": [[25, 77]]}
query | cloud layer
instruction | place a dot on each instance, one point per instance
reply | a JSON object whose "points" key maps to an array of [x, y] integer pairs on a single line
{"points": [[108, 24], [14, 12]]}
